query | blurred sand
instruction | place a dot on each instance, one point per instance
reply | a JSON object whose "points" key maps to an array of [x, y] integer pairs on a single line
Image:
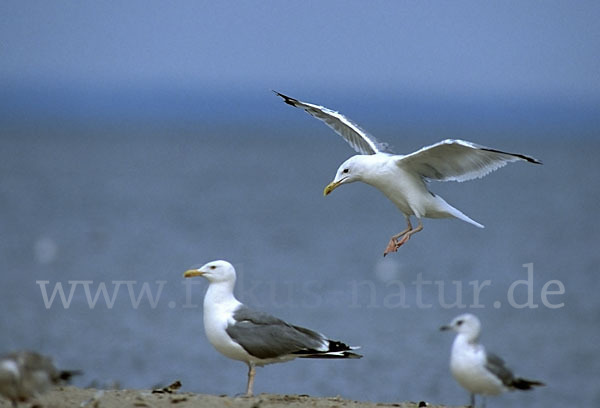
{"points": [[73, 397]]}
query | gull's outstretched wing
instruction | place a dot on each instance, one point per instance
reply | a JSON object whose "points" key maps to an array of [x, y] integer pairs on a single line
{"points": [[360, 140], [458, 160]]}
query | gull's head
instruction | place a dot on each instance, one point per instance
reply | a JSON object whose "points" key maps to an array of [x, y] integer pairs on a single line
{"points": [[215, 271], [351, 170], [467, 324]]}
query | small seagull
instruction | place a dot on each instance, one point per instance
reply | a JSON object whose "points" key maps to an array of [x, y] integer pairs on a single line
{"points": [[254, 337], [402, 178], [476, 370], [26, 374]]}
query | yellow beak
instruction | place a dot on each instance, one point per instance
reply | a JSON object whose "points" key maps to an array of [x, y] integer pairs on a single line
{"points": [[331, 186], [192, 272]]}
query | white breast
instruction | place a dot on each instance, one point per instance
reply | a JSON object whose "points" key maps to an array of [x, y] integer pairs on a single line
{"points": [[406, 190], [467, 365], [217, 316]]}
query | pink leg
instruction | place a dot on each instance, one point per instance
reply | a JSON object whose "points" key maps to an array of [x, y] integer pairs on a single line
{"points": [[394, 244], [250, 386]]}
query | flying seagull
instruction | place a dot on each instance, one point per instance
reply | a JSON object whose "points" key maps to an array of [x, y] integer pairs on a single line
{"points": [[476, 370], [402, 178], [26, 374], [254, 337]]}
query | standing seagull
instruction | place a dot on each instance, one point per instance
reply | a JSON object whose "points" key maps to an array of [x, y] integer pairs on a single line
{"points": [[402, 178], [26, 374], [476, 370], [254, 337]]}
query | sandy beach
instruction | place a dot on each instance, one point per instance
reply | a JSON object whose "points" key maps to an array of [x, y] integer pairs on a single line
{"points": [[67, 397]]}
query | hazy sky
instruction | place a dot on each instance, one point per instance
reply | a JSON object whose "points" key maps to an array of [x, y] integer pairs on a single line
{"points": [[480, 47]]}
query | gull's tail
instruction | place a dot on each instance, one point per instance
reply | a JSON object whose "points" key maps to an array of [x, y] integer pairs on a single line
{"points": [[446, 210], [456, 213]]}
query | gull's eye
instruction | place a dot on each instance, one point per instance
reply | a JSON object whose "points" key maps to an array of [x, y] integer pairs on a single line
{"points": [[213, 267], [345, 171], [460, 322]]}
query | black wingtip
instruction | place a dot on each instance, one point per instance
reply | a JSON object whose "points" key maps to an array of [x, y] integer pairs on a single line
{"points": [[335, 350], [346, 350], [524, 384], [529, 159], [335, 346], [314, 354], [520, 156], [287, 99]]}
